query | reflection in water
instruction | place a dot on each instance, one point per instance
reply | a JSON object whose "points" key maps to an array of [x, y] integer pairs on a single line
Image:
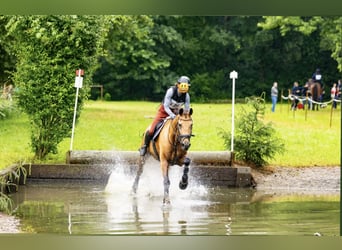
{"points": [[83, 207]]}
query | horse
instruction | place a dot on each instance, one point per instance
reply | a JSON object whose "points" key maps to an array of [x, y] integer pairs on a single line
{"points": [[316, 94], [170, 148]]}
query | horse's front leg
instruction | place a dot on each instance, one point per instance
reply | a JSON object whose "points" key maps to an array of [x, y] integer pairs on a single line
{"points": [[165, 171], [184, 181], [139, 172]]}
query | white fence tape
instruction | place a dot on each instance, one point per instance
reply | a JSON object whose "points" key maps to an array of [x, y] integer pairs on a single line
{"points": [[301, 98]]}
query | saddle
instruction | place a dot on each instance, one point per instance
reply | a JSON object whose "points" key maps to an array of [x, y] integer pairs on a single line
{"points": [[158, 128]]}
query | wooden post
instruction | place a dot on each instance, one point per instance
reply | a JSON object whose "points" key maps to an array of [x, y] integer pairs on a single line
{"points": [[288, 101], [281, 101], [331, 113], [307, 102]]}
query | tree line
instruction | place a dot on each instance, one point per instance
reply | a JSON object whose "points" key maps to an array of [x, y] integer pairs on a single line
{"points": [[143, 55], [139, 57]]}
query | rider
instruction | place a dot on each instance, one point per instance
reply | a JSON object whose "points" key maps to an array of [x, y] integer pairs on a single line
{"points": [[175, 97]]}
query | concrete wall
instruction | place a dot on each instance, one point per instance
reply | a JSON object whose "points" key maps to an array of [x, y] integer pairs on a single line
{"points": [[212, 168]]}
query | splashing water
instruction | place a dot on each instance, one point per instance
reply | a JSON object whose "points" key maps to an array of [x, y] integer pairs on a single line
{"points": [[146, 204], [151, 181]]}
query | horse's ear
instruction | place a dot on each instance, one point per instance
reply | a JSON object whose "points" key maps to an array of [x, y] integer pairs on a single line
{"points": [[190, 111], [181, 111]]}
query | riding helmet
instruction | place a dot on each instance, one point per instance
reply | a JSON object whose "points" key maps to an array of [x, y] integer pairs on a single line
{"points": [[183, 84], [184, 79]]}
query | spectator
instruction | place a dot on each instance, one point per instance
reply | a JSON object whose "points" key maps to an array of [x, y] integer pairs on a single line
{"points": [[274, 95], [305, 94], [296, 92], [317, 77], [333, 94], [338, 88]]}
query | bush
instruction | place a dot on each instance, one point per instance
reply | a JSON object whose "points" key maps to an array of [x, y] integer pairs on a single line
{"points": [[49, 49], [254, 141], [107, 97]]}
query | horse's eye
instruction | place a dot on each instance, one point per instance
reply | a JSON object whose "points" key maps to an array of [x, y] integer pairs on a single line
{"points": [[179, 125]]}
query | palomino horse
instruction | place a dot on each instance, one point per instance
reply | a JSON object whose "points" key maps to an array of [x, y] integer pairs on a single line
{"points": [[316, 93], [170, 148]]}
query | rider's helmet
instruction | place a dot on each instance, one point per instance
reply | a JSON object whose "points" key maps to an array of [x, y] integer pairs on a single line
{"points": [[183, 84]]}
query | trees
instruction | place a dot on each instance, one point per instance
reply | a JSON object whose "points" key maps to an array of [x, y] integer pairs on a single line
{"points": [[48, 50], [6, 57], [327, 29], [146, 54], [132, 65]]}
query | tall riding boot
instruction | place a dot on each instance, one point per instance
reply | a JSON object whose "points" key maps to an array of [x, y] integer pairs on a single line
{"points": [[147, 140]]}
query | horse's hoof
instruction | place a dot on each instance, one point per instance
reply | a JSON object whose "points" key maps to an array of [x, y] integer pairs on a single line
{"points": [[183, 185]]}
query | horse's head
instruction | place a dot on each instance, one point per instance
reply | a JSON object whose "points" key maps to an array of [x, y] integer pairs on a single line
{"points": [[184, 128]]}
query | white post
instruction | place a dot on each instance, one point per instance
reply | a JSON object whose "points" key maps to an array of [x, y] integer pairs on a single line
{"points": [[78, 84], [233, 75]]}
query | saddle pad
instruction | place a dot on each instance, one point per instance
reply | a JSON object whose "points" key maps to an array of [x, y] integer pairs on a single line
{"points": [[159, 127]]}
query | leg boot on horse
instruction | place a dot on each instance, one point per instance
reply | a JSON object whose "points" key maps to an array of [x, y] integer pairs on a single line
{"points": [[184, 181]]}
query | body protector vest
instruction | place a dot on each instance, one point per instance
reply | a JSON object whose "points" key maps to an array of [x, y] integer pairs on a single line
{"points": [[177, 101]]}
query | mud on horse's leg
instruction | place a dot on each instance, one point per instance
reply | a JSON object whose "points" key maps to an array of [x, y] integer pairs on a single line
{"points": [[184, 181], [139, 172]]}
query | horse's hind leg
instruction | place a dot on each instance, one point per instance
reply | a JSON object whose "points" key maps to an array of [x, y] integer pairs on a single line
{"points": [[139, 172], [184, 181]]}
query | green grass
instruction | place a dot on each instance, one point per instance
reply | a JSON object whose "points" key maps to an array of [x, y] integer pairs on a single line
{"points": [[119, 126]]}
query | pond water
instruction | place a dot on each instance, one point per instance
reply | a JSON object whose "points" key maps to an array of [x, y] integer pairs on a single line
{"points": [[94, 208]]}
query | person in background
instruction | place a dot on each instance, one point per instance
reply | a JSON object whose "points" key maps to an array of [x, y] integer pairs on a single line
{"points": [[338, 90], [274, 95], [296, 93], [306, 93], [317, 77], [333, 94], [176, 97]]}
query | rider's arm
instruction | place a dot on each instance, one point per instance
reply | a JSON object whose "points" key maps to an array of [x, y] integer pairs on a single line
{"points": [[167, 102]]}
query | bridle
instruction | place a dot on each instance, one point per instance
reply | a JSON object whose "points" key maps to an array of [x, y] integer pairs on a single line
{"points": [[179, 138]]}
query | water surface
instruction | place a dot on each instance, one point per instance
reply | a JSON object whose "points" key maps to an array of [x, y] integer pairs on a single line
{"points": [[95, 208]]}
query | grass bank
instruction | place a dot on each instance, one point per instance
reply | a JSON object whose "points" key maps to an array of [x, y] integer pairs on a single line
{"points": [[309, 138]]}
